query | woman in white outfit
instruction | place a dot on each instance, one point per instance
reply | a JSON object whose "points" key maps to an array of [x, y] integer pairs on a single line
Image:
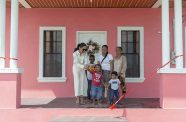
{"points": [[79, 62]]}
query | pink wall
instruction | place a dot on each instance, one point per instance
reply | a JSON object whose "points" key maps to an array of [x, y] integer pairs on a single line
{"points": [[10, 91], [85, 20], [172, 91]]}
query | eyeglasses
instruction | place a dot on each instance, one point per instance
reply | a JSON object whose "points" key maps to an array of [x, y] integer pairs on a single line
{"points": [[84, 49]]}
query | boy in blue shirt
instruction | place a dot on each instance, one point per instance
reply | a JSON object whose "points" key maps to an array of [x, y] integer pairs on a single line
{"points": [[114, 83], [89, 76]]}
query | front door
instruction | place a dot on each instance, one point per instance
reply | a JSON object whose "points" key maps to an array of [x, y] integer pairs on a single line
{"points": [[96, 36]]}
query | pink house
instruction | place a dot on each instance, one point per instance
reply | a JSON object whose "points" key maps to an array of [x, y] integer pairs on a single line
{"points": [[32, 67]]}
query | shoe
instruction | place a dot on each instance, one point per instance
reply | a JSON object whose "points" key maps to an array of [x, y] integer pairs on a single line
{"points": [[82, 101], [77, 101]]}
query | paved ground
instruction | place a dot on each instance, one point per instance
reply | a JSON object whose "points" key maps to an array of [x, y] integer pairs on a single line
{"points": [[132, 114], [90, 119]]}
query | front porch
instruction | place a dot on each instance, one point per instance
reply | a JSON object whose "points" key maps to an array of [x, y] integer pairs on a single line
{"points": [[153, 96], [70, 103]]}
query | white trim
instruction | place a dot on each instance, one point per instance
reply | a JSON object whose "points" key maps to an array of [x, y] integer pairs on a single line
{"points": [[141, 29], [14, 33], [52, 79], [178, 46], [2, 32], [157, 4], [84, 32], [135, 80], [172, 71], [24, 4], [11, 70]]}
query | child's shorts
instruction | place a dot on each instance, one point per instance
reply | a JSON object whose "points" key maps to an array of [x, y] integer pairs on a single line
{"points": [[96, 92]]}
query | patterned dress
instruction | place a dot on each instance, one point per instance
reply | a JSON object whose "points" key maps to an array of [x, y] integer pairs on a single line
{"points": [[120, 66]]}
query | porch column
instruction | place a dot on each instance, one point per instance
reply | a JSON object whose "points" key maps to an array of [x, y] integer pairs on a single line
{"points": [[2, 31], [178, 32], [165, 33], [14, 33]]}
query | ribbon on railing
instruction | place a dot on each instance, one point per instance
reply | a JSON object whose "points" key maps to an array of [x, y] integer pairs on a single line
{"points": [[8, 58], [169, 61]]}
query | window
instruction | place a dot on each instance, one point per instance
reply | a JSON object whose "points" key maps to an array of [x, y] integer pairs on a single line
{"points": [[131, 39], [52, 54]]}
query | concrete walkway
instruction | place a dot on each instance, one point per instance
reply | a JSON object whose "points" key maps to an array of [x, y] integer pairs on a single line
{"points": [[89, 119]]}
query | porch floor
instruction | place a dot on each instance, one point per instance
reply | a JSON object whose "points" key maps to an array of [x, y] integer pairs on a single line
{"points": [[70, 103]]}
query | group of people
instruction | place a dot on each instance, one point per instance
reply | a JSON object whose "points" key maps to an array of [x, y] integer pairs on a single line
{"points": [[98, 81]]}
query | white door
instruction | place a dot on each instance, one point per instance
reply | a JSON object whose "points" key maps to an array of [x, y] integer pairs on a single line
{"points": [[96, 36]]}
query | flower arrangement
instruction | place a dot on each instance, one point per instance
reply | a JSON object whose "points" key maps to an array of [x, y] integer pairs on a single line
{"points": [[93, 47]]}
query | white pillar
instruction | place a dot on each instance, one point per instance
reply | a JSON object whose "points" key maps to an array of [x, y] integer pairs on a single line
{"points": [[165, 33], [14, 33], [2, 31], [178, 32]]}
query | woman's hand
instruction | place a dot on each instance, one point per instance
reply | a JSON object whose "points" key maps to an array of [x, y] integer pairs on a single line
{"points": [[86, 67], [120, 74], [110, 75], [106, 85]]}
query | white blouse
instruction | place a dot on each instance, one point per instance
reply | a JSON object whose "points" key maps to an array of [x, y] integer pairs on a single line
{"points": [[79, 60], [106, 62]]}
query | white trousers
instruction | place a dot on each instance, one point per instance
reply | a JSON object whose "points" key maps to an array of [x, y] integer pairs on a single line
{"points": [[80, 81]]}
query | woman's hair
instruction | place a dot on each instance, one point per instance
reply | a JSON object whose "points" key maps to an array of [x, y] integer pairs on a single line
{"points": [[106, 52], [121, 49], [91, 56], [105, 46], [80, 45]]}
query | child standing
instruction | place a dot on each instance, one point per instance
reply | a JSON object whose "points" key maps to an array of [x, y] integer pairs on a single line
{"points": [[114, 83], [89, 76], [97, 82]]}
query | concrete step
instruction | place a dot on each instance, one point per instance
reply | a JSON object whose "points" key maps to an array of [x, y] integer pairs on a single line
{"points": [[89, 119]]}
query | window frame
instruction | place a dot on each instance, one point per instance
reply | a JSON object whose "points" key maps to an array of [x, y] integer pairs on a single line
{"points": [[141, 30], [41, 78]]}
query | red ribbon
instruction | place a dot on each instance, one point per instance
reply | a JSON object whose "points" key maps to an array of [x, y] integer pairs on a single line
{"points": [[123, 96], [8, 58], [169, 61]]}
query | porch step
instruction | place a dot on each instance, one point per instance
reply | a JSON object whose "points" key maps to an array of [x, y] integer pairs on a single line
{"points": [[89, 119]]}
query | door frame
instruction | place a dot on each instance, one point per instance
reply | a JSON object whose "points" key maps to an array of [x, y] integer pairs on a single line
{"points": [[89, 32]]}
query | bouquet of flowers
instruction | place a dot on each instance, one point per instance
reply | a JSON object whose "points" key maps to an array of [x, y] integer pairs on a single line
{"points": [[91, 68], [93, 47]]}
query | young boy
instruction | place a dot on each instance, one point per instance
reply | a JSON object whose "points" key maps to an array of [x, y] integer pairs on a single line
{"points": [[89, 76], [114, 83]]}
